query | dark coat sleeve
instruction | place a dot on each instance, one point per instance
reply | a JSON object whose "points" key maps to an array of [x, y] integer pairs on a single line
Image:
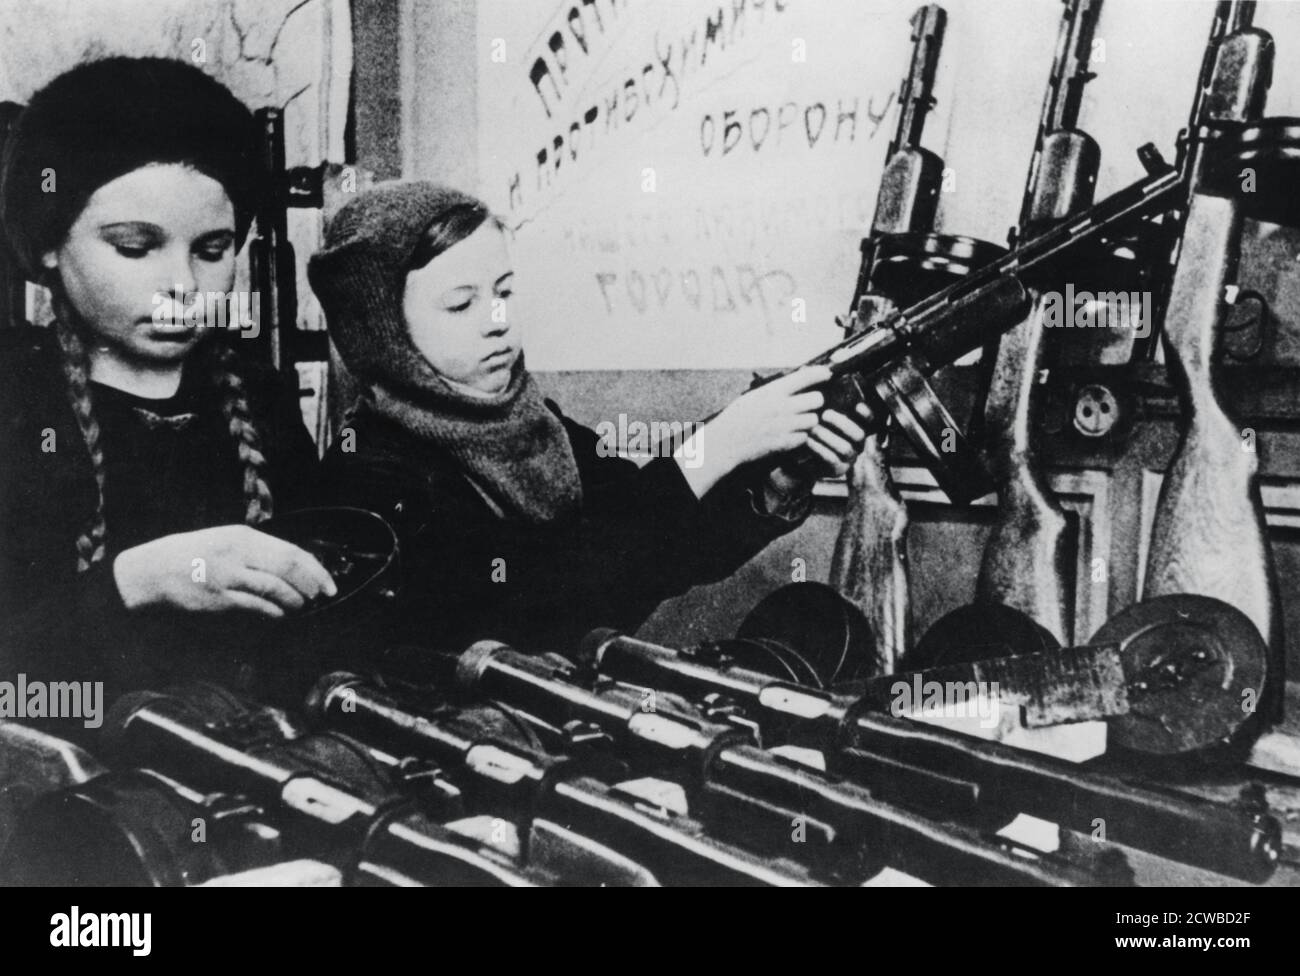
{"points": [[642, 537]]}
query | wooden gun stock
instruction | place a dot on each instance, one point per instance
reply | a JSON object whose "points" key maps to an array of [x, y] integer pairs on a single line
{"points": [[869, 565], [1209, 535], [1029, 559]]}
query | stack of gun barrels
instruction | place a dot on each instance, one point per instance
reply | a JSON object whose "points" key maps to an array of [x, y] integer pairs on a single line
{"points": [[625, 763]]}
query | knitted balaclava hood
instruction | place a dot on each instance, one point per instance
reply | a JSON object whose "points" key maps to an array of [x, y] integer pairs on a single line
{"points": [[510, 445], [103, 119]]}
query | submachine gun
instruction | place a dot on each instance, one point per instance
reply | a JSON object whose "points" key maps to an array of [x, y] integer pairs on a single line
{"points": [[774, 804], [330, 796], [541, 793], [933, 769], [887, 364], [902, 260]]}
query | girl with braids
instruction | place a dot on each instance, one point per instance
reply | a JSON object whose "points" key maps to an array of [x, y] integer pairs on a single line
{"points": [[514, 523], [139, 454]]}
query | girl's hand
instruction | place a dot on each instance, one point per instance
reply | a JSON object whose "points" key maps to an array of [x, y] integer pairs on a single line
{"points": [[230, 567], [776, 418], [834, 443], [771, 419]]}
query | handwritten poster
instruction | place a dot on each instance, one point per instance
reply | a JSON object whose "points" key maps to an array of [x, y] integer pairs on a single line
{"points": [[688, 181]]}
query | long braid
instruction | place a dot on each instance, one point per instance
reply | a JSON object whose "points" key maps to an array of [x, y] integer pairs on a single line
{"points": [[234, 407], [76, 370]]}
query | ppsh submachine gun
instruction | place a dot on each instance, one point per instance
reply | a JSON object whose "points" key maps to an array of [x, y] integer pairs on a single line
{"points": [[269, 791], [946, 773], [417, 793], [1028, 560], [902, 259], [777, 805], [1174, 235], [888, 364], [539, 792]]}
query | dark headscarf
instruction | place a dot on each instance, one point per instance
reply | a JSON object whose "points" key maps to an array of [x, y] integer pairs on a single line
{"points": [[510, 445]]}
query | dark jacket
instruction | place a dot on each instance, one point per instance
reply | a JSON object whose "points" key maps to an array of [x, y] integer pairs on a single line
{"points": [[57, 624], [641, 537]]}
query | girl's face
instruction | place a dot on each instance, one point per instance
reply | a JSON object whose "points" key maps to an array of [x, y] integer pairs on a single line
{"points": [[144, 243], [456, 313]]}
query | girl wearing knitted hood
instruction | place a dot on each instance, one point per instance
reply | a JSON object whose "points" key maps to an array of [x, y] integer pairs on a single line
{"points": [[513, 526], [139, 453]]}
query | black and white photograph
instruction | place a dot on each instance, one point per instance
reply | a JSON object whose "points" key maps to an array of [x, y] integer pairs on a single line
{"points": [[651, 443]]}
